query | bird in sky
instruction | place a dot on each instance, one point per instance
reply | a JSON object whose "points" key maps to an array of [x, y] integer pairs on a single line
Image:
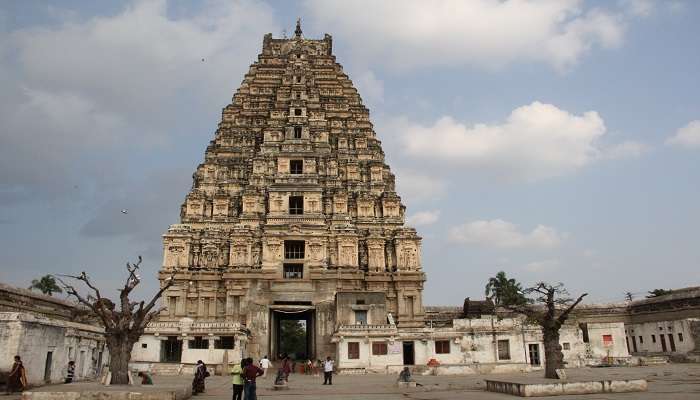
{"points": [[125, 211]]}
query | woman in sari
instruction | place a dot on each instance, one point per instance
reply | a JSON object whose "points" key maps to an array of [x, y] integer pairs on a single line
{"points": [[17, 379], [200, 373], [286, 366]]}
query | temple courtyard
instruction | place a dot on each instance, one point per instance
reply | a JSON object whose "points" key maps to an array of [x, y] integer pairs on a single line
{"points": [[669, 381]]}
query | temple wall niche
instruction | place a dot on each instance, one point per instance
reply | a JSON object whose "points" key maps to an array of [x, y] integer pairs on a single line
{"points": [[340, 204], [347, 252], [176, 254], [408, 255], [391, 208], [375, 250], [312, 203]]}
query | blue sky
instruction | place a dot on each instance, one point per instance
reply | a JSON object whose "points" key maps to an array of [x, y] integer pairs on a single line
{"points": [[556, 141]]}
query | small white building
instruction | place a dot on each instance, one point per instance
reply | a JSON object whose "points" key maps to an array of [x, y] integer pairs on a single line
{"points": [[174, 347], [667, 325], [477, 345], [43, 332]]}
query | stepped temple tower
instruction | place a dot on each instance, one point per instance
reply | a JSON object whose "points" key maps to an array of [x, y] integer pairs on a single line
{"points": [[292, 215]]}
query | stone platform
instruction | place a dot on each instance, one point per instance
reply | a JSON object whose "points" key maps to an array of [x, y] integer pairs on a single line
{"points": [[552, 387], [96, 391]]}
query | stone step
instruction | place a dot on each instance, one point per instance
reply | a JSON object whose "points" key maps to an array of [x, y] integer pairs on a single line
{"points": [[653, 360], [168, 369]]}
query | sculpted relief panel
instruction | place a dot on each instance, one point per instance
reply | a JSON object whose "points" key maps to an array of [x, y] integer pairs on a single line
{"points": [[340, 204], [177, 254], [347, 253], [408, 257], [376, 255]]}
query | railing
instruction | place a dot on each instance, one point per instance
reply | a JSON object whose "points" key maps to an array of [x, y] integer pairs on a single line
{"points": [[367, 327]]}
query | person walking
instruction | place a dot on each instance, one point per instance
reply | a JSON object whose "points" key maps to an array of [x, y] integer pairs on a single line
{"points": [[328, 371], [286, 367], [250, 373], [237, 381], [17, 379], [264, 364], [200, 373], [70, 372]]}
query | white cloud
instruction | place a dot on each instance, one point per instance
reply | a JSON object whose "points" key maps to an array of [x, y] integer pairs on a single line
{"points": [[542, 266], [536, 141], [370, 88], [639, 8], [504, 234], [81, 92], [626, 149], [487, 33], [416, 187], [423, 218], [687, 136]]}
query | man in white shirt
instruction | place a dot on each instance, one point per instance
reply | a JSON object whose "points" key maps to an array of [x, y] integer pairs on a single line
{"points": [[264, 364], [328, 371]]}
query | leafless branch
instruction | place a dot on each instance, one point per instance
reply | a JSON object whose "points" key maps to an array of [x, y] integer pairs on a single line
{"points": [[566, 312]]}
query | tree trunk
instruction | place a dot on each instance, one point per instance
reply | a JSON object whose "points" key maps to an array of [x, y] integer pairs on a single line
{"points": [[119, 356], [554, 358]]}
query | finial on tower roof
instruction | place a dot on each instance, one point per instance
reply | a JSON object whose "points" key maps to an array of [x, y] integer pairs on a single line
{"points": [[297, 31]]}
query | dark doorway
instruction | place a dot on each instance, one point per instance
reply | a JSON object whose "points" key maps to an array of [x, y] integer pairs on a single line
{"points": [[47, 367], [171, 350], [634, 344], [292, 334], [408, 354], [671, 342], [534, 353], [663, 342]]}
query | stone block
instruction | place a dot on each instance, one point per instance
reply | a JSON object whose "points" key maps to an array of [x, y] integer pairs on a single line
{"points": [[536, 388], [406, 384]]}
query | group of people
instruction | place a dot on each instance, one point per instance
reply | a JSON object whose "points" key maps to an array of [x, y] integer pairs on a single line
{"points": [[245, 374]]}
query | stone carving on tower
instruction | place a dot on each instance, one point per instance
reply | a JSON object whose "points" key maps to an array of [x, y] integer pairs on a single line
{"points": [[293, 202]]}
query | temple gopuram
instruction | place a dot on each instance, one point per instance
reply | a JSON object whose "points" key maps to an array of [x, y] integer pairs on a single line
{"points": [[293, 212]]}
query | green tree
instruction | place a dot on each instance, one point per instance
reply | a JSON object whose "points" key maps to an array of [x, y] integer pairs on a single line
{"points": [[503, 290], [46, 285], [658, 292], [293, 337]]}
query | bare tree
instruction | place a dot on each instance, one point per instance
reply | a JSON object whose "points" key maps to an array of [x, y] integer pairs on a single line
{"points": [[549, 306], [123, 327]]}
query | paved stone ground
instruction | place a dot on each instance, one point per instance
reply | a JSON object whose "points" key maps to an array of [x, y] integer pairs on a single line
{"points": [[672, 382], [666, 382]]}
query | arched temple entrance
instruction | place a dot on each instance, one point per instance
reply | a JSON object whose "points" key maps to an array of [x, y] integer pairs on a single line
{"points": [[292, 332]]}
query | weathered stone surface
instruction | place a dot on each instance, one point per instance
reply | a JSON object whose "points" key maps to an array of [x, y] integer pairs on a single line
{"points": [[293, 204], [552, 388]]}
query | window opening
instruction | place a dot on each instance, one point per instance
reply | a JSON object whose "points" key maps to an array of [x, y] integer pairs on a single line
{"points": [[293, 271], [294, 249], [361, 317], [504, 349], [296, 167], [198, 343], [296, 205], [379, 349], [297, 131], [353, 350], [225, 342], [442, 347]]}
